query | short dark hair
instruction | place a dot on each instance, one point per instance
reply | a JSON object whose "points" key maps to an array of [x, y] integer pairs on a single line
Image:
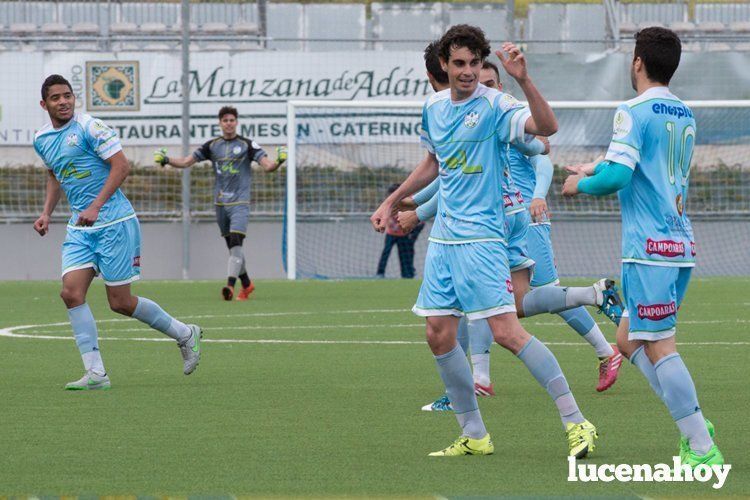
{"points": [[660, 50], [228, 110], [493, 67], [463, 35], [53, 80], [432, 63]]}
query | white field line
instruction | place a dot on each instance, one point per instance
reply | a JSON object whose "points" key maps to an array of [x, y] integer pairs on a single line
{"points": [[12, 332], [66, 326]]}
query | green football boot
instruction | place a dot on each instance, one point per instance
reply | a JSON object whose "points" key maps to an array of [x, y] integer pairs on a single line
{"points": [[685, 444], [713, 457], [581, 438], [467, 446]]}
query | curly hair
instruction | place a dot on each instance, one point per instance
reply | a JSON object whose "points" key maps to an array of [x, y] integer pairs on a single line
{"points": [[464, 35], [228, 110]]}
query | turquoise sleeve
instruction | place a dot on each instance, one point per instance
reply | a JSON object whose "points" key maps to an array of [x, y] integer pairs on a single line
{"points": [[608, 178], [533, 148], [544, 170], [427, 210], [427, 193]]}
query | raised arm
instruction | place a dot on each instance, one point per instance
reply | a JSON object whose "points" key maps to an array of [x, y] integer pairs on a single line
{"points": [[161, 158], [269, 165], [118, 172], [425, 172], [542, 121], [52, 197]]}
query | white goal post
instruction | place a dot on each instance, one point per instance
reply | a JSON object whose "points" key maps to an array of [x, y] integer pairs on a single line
{"points": [[595, 115]]}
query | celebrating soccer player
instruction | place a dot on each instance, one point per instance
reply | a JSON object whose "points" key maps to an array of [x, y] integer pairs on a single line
{"points": [[230, 156], [84, 158], [648, 164], [466, 271]]}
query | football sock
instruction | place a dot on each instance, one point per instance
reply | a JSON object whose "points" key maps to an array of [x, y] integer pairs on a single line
{"points": [[544, 367], [463, 335], [581, 321], [87, 337], [234, 264], [640, 359], [694, 428], [480, 340], [154, 316], [92, 361], [459, 386], [682, 401], [245, 279], [554, 299]]}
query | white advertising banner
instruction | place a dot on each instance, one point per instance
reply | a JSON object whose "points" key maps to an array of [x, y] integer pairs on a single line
{"points": [[139, 93]]}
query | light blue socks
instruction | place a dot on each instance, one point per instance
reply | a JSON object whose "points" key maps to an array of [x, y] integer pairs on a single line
{"points": [[554, 299], [581, 321], [459, 386], [154, 316], [463, 335], [84, 328], [544, 367], [480, 339], [87, 338], [679, 395], [640, 359]]}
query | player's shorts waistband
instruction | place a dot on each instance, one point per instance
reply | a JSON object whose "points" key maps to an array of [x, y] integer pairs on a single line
{"points": [[463, 242], [106, 224]]}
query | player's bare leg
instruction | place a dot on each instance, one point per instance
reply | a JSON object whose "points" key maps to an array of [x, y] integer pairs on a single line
{"points": [[75, 286], [546, 370], [122, 301]]}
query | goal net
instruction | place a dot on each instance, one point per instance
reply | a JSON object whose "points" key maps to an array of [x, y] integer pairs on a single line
{"points": [[345, 155]]}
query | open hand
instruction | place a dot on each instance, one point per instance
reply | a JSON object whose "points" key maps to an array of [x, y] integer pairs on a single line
{"points": [[515, 63]]}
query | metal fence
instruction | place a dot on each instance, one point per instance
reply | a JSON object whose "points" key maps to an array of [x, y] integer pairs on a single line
{"points": [[251, 25]]}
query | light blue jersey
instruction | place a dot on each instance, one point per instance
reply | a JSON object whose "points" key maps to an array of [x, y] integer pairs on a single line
{"points": [[76, 153], [522, 172], [654, 135], [513, 201], [467, 138]]}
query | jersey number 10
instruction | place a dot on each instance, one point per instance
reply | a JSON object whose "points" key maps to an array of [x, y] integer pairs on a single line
{"points": [[687, 140]]}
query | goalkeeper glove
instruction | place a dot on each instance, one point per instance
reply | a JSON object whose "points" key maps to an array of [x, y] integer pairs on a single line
{"points": [[281, 154], [160, 156]]}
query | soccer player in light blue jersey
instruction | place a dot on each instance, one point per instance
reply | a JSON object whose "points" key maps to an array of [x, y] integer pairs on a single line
{"points": [[84, 159], [648, 165], [530, 253], [466, 269]]}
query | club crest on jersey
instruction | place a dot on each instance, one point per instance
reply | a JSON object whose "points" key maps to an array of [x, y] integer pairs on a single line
{"points": [[471, 119], [665, 248], [236, 150], [72, 140], [678, 203], [657, 312], [622, 125]]}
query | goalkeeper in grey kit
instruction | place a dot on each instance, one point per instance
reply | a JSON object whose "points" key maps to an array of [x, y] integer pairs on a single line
{"points": [[230, 156]]}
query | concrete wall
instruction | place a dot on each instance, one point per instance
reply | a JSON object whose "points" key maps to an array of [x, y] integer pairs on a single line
{"points": [[29, 257], [351, 248]]}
